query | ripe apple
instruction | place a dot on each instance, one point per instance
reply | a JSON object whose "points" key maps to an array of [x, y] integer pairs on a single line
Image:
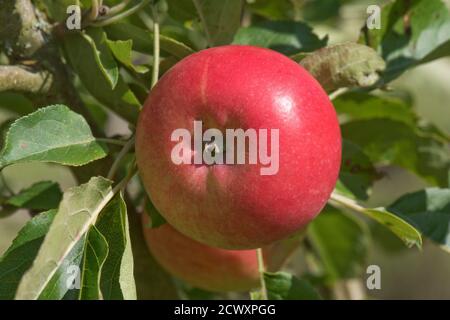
{"points": [[200, 265], [210, 268], [239, 87]]}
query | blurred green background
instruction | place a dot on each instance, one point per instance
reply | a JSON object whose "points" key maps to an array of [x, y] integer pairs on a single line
{"points": [[405, 273]]}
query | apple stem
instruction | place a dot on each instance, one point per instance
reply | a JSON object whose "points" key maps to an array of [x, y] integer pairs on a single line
{"points": [[337, 93], [346, 202], [261, 269]]}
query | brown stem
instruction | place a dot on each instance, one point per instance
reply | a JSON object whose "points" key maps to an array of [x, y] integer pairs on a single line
{"points": [[21, 29], [23, 79]]}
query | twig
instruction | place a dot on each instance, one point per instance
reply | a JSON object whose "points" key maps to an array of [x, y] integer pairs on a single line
{"points": [[94, 10], [120, 187], [346, 202], [146, 19], [118, 8], [120, 16], [112, 141], [337, 93], [20, 79], [115, 166], [22, 28], [297, 9], [156, 49], [262, 269], [349, 289]]}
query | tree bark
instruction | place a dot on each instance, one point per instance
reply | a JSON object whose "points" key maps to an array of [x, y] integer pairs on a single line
{"points": [[21, 79]]}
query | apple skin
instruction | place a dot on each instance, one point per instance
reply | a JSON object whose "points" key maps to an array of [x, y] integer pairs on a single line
{"points": [[210, 268], [233, 206], [201, 266]]}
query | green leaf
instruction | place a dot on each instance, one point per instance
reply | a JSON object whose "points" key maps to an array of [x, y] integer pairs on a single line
{"points": [[386, 141], [363, 106], [273, 10], [429, 211], [405, 231], [34, 229], [16, 103], [256, 295], [182, 10], [357, 172], [77, 212], [220, 19], [320, 10], [51, 134], [104, 263], [156, 219], [363, 115], [117, 280], [122, 50], [341, 242], [344, 66], [96, 37], [83, 58], [157, 284], [412, 33], [287, 37], [20, 255], [42, 195], [401, 228], [95, 253], [59, 286], [143, 40], [385, 240], [284, 286], [341, 189]]}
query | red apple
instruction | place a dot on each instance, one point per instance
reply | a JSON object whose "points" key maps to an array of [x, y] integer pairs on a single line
{"points": [[210, 268], [199, 265], [235, 206]]}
